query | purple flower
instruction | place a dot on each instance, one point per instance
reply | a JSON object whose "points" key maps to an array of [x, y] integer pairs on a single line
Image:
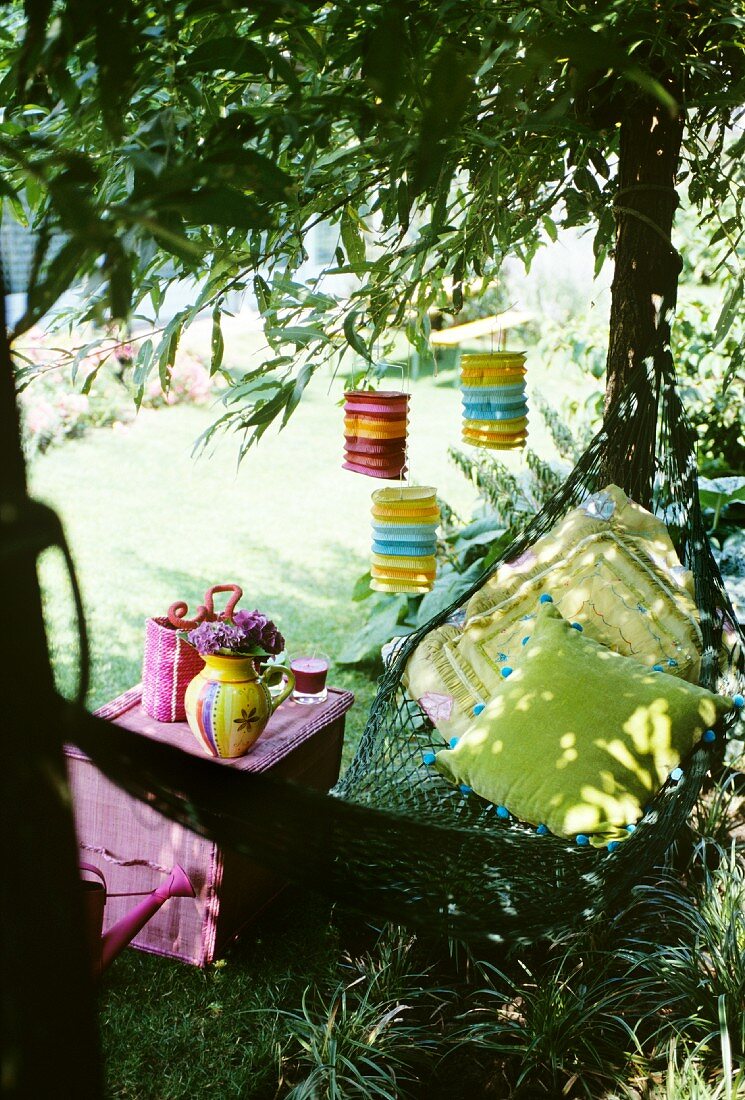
{"points": [[271, 639], [248, 632], [204, 639], [259, 631], [208, 638]]}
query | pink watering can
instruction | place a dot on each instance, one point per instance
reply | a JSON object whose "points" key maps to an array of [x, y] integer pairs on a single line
{"points": [[105, 948]]}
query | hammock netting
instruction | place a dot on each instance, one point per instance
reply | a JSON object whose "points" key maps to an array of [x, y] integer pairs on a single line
{"points": [[397, 842]]}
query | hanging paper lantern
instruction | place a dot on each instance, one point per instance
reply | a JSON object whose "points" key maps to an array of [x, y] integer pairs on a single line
{"points": [[495, 408], [404, 525], [375, 427]]}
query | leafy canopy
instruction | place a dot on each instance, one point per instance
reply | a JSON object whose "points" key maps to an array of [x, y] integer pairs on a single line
{"points": [[148, 142]]}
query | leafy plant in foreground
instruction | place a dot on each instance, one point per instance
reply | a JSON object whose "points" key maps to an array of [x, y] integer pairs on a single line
{"points": [[364, 1038], [562, 1027], [685, 1079], [689, 951]]}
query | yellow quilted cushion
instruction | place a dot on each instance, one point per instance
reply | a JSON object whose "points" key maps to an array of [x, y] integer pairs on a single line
{"points": [[610, 569]]}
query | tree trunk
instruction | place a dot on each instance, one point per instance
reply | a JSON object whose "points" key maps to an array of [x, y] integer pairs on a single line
{"points": [[49, 1037], [645, 280]]}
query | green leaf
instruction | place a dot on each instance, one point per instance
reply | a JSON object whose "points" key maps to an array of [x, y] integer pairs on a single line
{"points": [[458, 274], [217, 206], [550, 227], [448, 588], [352, 336], [653, 88], [734, 367], [362, 589], [119, 272], [599, 163], [174, 241], [729, 310], [365, 646], [142, 363], [167, 350], [300, 335], [217, 343], [228, 53], [262, 292], [251, 169], [403, 205], [720, 491], [303, 378], [351, 237], [90, 379]]}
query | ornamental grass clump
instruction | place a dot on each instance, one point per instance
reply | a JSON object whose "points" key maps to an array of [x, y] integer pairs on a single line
{"points": [[247, 633], [691, 958]]}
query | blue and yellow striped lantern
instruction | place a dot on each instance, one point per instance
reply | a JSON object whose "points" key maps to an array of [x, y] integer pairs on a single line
{"points": [[404, 539], [495, 407]]}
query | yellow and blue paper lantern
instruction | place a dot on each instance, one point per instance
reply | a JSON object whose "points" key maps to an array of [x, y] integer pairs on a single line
{"points": [[495, 406], [404, 539]]}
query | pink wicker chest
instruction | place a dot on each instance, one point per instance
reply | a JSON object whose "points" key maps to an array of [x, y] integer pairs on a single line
{"points": [[135, 847]]}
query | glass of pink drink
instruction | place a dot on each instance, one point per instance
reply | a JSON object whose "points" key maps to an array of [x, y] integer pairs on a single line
{"points": [[310, 677]]}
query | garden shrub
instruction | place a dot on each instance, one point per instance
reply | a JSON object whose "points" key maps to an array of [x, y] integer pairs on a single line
{"points": [[59, 400]]}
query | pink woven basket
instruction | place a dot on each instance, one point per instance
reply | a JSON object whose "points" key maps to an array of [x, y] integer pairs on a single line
{"points": [[170, 663], [169, 666]]}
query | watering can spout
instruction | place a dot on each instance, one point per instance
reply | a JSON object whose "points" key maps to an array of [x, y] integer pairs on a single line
{"points": [[177, 885]]}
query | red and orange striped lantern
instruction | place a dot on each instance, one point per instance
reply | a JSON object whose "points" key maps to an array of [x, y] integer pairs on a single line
{"points": [[495, 408], [375, 428]]}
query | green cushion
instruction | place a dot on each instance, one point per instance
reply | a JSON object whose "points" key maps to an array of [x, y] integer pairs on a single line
{"points": [[578, 738]]}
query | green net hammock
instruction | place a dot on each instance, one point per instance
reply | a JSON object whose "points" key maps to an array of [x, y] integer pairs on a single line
{"points": [[394, 844]]}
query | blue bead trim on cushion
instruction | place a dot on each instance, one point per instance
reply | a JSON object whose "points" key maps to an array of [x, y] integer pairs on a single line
{"points": [[738, 700], [479, 707], [428, 758], [577, 626], [657, 668], [502, 812], [526, 639], [630, 828], [709, 736], [676, 775], [454, 740], [612, 845], [465, 788], [506, 671], [672, 663], [581, 839], [542, 830], [545, 598]]}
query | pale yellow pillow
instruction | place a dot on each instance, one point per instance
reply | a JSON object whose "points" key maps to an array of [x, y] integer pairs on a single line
{"points": [[609, 567]]}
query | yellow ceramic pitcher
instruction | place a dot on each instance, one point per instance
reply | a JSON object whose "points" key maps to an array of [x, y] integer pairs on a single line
{"points": [[228, 704]]}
